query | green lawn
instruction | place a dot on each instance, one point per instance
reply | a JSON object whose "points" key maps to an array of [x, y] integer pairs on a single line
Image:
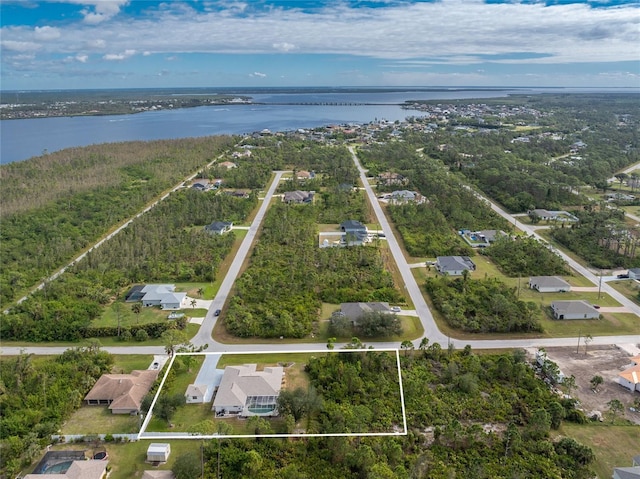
{"points": [[185, 417], [109, 315], [125, 363], [614, 446], [267, 359], [183, 377], [628, 287], [99, 420]]}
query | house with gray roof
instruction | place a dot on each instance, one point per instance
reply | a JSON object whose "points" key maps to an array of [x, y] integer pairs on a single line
{"points": [[549, 284], [401, 197], [574, 309], [454, 265], [355, 233], [218, 227], [355, 311], [298, 197], [244, 391], [163, 295], [634, 273], [626, 472]]}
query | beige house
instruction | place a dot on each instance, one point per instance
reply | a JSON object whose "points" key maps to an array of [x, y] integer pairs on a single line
{"points": [[630, 377], [245, 391], [196, 393], [123, 393]]}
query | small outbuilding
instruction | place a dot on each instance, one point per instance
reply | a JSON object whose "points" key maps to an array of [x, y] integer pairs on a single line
{"points": [[158, 452], [196, 393]]}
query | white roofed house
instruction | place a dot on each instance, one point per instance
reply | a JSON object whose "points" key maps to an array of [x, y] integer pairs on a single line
{"points": [[576, 309], [401, 197], [630, 377], [163, 295], [454, 265], [244, 391], [158, 452], [549, 284]]}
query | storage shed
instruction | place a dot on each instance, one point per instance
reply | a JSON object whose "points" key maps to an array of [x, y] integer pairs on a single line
{"points": [[158, 452]]}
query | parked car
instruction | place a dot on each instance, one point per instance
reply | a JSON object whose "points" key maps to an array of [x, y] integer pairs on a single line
{"points": [[623, 276], [396, 309], [217, 313], [597, 306]]}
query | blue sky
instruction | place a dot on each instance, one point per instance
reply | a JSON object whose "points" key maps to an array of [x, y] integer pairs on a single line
{"points": [[261, 43]]}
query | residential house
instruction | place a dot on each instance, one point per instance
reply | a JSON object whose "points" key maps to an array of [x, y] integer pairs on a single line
{"points": [[244, 391], [228, 165], [401, 197], [123, 393], [630, 377], [549, 284], [546, 215], [355, 233], [77, 470], [454, 265], [201, 184], [158, 452], [574, 309], [196, 393], [163, 295], [135, 294], [626, 472], [305, 175], [482, 238], [298, 197], [355, 311], [634, 273], [218, 227]]}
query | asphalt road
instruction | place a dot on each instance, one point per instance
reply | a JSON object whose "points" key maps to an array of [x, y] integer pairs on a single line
{"points": [[204, 334]]}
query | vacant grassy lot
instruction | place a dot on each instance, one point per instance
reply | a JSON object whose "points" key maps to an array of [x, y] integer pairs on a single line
{"points": [[99, 420], [628, 287], [614, 446], [125, 363]]}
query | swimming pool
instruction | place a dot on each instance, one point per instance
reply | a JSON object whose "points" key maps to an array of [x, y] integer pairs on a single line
{"points": [[58, 468]]}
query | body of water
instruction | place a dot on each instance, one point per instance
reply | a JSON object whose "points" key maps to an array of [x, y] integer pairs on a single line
{"points": [[23, 139]]}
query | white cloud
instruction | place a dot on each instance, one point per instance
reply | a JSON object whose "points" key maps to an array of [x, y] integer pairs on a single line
{"points": [[19, 46], [99, 11], [46, 33], [258, 74], [284, 47], [119, 56], [82, 58]]}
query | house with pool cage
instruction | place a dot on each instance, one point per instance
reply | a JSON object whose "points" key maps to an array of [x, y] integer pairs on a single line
{"points": [[244, 391]]}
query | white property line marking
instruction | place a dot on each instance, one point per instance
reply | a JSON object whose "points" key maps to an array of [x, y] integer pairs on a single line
{"points": [[184, 435]]}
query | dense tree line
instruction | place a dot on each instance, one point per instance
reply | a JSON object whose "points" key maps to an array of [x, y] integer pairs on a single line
{"points": [[38, 395], [56, 204], [601, 237], [468, 415], [525, 256], [481, 305], [167, 244]]}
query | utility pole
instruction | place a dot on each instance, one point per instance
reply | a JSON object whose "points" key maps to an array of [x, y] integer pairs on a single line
{"points": [[600, 284]]}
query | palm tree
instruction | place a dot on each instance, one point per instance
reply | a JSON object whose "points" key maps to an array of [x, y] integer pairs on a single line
{"points": [[137, 308], [200, 291], [194, 303]]}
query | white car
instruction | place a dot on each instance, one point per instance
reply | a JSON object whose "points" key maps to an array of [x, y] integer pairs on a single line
{"points": [[395, 309]]}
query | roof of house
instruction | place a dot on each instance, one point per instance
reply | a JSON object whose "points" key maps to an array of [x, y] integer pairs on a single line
{"points": [[126, 391], [228, 164], [218, 226], [454, 263], [163, 293], [135, 293], [158, 447], [541, 212], [631, 374], [356, 310], [634, 270], [490, 235], [577, 306], [78, 470], [297, 195], [404, 194], [549, 282], [352, 225], [158, 475], [627, 472], [240, 382], [196, 390]]}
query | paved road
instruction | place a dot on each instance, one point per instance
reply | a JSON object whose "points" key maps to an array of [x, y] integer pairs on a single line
{"points": [[204, 334], [630, 305], [424, 313]]}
